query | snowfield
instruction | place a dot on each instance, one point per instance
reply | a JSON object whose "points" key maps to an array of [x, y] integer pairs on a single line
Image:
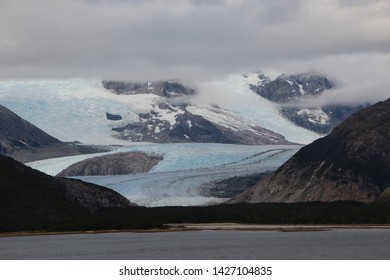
{"points": [[185, 174]]}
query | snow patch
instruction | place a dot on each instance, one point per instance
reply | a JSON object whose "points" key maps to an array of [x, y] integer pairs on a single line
{"points": [[254, 79], [301, 90], [316, 116]]}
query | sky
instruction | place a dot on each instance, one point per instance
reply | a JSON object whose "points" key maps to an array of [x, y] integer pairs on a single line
{"points": [[199, 40]]}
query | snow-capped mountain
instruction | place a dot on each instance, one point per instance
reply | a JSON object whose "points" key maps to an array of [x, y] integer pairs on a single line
{"points": [[177, 124], [86, 111], [288, 90], [173, 121], [252, 109]]}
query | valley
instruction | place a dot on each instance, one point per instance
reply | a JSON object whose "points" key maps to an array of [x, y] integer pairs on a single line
{"points": [[185, 174], [162, 144]]}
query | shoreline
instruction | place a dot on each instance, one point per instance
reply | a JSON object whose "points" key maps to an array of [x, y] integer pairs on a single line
{"points": [[207, 227]]}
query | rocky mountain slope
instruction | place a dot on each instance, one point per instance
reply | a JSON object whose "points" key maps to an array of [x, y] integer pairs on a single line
{"points": [[26, 142], [16, 133], [251, 109], [177, 124], [16, 177], [286, 91], [384, 197], [174, 123], [286, 88], [31, 200], [161, 88], [290, 90], [352, 163], [116, 164]]}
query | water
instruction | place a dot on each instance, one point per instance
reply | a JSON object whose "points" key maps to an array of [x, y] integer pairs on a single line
{"points": [[207, 244]]}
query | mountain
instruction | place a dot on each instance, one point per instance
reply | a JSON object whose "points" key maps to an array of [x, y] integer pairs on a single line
{"points": [[286, 88], [384, 197], [162, 88], [172, 122], [16, 133], [290, 90], [25, 142], [67, 109], [30, 199], [251, 109], [352, 163], [177, 124]]}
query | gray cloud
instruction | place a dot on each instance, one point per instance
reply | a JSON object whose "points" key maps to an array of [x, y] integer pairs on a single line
{"points": [[194, 39]]}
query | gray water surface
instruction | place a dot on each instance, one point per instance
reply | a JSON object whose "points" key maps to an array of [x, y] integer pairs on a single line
{"points": [[208, 244]]}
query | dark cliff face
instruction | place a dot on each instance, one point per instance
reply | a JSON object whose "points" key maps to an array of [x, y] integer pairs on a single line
{"points": [[352, 163]]}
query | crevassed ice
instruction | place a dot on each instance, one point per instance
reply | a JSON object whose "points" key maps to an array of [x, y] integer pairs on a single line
{"points": [[186, 172]]}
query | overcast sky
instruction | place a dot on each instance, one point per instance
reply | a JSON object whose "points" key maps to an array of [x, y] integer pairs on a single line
{"points": [[198, 40]]}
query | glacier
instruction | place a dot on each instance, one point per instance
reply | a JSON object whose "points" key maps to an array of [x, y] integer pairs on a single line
{"points": [[186, 172]]}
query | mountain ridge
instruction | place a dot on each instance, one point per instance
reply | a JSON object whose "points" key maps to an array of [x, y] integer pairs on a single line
{"points": [[352, 163], [117, 112], [31, 200]]}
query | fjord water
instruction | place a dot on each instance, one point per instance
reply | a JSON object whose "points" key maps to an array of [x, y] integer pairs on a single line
{"points": [[342, 244]]}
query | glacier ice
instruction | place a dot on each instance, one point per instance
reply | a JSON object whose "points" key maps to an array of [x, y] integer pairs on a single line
{"points": [[185, 173]]}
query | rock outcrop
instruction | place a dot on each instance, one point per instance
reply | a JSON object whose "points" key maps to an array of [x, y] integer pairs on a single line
{"points": [[352, 163], [113, 117], [162, 88], [286, 88], [116, 164]]}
